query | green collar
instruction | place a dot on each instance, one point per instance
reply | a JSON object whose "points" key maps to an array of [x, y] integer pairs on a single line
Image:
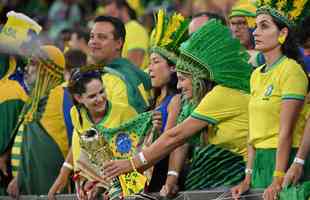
{"points": [[273, 65]]}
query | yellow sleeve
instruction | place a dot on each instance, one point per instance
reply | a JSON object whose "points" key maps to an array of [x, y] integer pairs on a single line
{"points": [[75, 145], [216, 106], [294, 82], [115, 88], [136, 37]]}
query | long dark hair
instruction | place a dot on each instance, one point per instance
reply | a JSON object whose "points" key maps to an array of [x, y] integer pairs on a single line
{"points": [[171, 87], [77, 85], [290, 47]]}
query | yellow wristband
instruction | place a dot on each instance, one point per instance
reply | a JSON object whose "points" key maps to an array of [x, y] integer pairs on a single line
{"points": [[132, 164], [277, 173]]}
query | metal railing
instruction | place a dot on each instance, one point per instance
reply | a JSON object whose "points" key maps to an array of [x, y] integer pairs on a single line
{"points": [[190, 195]]}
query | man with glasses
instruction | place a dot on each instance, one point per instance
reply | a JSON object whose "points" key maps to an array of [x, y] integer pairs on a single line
{"points": [[242, 24]]}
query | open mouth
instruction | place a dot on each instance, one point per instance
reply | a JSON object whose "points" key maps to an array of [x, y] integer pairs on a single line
{"points": [[257, 42]]}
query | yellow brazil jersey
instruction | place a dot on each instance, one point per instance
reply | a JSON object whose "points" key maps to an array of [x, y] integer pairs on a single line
{"points": [[116, 114], [226, 110], [283, 81], [116, 89], [136, 38]]}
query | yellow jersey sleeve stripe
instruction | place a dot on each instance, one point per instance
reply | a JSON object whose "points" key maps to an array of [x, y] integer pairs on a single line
{"points": [[293, 96], [204, 118]]}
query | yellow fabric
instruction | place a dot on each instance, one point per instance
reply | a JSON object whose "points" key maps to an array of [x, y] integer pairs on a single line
{"points": [[227, 110], [13, 91], [118, 114], [285, 80], [55, 55], [15, 31], [137, 6], [16, 151], [53, 119], [116, 89], [132, 183], [245, 5], [136, 38]]}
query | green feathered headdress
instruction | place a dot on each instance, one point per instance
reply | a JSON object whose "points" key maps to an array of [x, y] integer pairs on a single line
{"points": [[212, 53], [288, 12], [168, 34]]}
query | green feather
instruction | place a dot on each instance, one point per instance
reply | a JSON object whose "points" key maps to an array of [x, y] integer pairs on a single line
{"points": [[219, 55]]}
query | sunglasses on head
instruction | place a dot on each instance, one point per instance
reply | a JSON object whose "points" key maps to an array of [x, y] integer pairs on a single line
{"points": [[77, 74]]}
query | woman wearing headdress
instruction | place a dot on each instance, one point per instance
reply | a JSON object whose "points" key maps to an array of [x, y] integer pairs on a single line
{"points": [[210, 54], [276, 112], [168, 34]]}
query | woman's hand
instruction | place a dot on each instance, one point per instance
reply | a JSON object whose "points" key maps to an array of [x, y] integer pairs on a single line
{"points": [[171, 188], [157, 120], [12, 189], [293, 175], [115, 168], [60, 183], [272, 192], [238, 190]]}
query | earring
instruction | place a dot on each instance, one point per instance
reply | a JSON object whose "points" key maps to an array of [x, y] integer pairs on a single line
{"points": [[281, 39]]}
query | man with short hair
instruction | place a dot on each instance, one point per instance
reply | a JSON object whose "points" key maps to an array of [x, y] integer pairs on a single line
{"points": [[125, 83], [136, 43]]}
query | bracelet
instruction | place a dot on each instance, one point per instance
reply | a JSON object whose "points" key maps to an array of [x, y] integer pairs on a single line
{"points": [[132, 164], [67, 165], [173, 173], [299, 161], [142, 158], [248, 171], [277, 173]]}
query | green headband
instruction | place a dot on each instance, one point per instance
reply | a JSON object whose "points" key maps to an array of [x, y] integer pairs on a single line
{"points": [[169, 55], [276, 14]]}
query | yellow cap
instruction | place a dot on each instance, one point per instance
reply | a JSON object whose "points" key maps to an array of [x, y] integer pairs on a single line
{"points": [[15, 32], [245, 9], [57, 57]]}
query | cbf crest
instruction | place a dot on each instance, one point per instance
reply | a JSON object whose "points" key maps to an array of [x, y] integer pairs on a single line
{"points": [[268, 92]]}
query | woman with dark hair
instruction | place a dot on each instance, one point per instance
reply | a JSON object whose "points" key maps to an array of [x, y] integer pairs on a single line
{"points": [[212, 54], [163, 57], [91, 108], [276, 113]]}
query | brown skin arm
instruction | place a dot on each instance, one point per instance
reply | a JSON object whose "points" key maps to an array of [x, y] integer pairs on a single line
{"points": [[296, 170], [166, 143], [176, 163], [289, 113], [244, 186], [62, 179]]}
